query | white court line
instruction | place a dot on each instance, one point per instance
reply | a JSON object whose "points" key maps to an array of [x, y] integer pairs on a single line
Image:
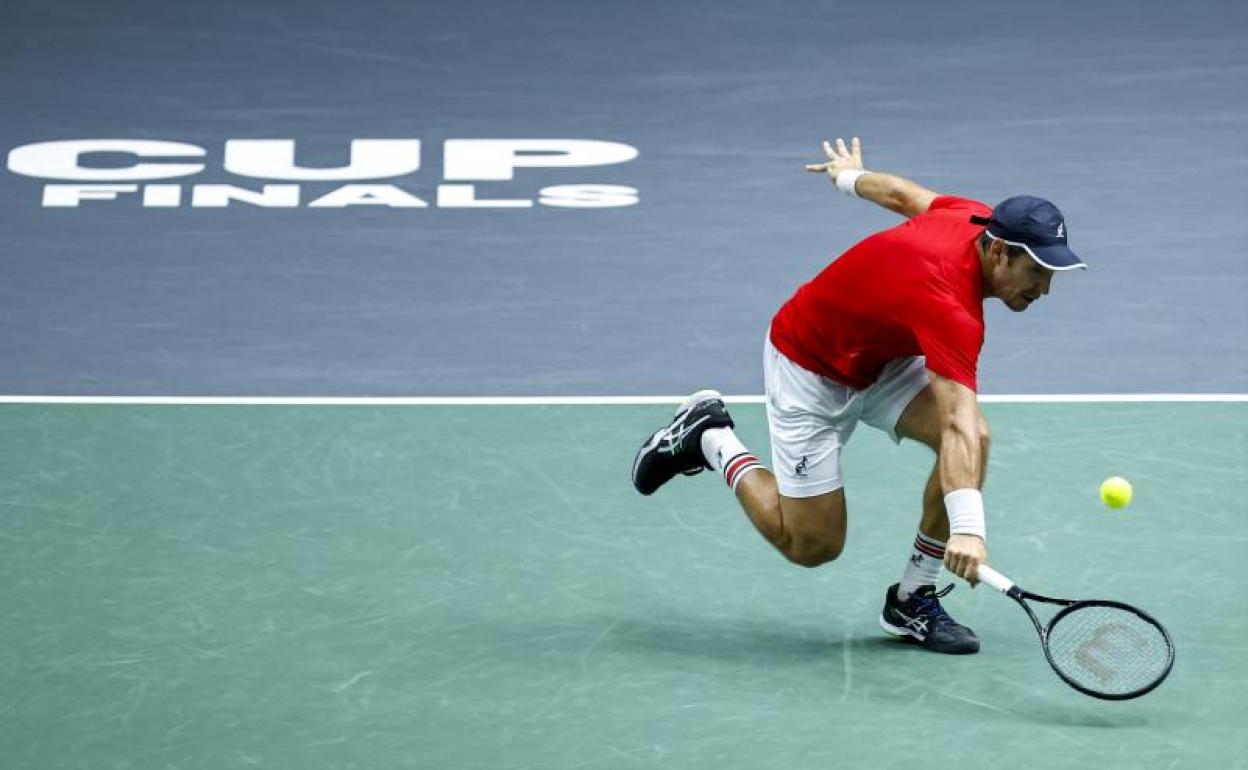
{"points": [[1091, 398]]}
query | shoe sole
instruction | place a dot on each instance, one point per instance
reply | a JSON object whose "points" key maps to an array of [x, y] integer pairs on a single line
{"points": [[689, 403], [898, 631], [650, 442], [695, 399]]}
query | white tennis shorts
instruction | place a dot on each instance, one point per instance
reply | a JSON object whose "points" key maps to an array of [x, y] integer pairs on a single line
{"points": [[811, 417]]}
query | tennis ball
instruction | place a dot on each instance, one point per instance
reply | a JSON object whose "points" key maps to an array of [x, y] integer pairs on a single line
{"points": [[1116, 492]]}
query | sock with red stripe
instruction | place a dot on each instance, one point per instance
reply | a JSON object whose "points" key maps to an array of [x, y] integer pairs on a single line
{"points": [[727, 455], [924, 566]]}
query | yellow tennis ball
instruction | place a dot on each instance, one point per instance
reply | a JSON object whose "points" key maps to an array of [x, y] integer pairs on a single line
{"points": [[1116, 492]]}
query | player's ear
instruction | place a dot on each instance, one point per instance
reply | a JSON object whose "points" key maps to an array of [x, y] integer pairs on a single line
{"points": [[990, 251], [999, 252]]}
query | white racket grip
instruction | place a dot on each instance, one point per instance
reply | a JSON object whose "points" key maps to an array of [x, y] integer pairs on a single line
{"points": [[990, 576]]}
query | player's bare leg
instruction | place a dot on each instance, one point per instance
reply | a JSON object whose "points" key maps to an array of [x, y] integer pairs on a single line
{"points": [[919, 422], [935, 520], [912, 607], [808, 531]]}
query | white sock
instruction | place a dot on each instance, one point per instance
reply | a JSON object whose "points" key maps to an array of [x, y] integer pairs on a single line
{"points": [[727, 455], [923, 568]]}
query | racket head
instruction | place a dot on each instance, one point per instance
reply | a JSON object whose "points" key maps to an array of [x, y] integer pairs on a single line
{"points": [[1108, 649]]}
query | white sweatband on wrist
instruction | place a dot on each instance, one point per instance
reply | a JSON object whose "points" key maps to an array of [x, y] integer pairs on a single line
{"points": [[966, 512], [847, 179]]}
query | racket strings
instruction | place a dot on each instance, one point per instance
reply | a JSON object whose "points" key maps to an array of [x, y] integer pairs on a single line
{"points": [[1109, 649]]}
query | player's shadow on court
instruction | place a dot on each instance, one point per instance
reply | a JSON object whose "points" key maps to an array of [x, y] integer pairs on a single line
{"points": [[885, 668], [729, 639]]}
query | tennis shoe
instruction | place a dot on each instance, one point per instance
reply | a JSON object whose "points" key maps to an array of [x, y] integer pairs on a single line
{"points": [[921, 620], [677, 448]]}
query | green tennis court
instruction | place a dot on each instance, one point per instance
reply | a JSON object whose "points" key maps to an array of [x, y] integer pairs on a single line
{"points": [[480, 587]]}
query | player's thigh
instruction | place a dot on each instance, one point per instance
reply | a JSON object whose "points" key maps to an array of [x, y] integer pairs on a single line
{"points": [[901, 403], [920, 420], [809, 420]]}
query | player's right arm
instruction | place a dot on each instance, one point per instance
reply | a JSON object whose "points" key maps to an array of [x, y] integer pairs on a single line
{"points": [[962, 464], [893, 192]]}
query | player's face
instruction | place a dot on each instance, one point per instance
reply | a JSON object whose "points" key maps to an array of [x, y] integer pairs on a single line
{"points": [[1021, 281]]}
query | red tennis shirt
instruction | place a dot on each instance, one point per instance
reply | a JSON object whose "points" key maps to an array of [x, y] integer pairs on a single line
{"points": [[915, 289]]}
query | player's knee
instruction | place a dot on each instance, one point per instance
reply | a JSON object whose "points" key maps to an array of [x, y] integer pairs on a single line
{"points": [[813, 551], [813, 529]]}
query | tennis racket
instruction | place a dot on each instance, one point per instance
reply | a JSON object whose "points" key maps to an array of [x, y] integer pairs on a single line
{"points": [[1105, 649]]}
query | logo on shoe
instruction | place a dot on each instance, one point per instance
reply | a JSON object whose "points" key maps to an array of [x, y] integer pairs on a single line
{"points": [[915, 624], [673, 442]]}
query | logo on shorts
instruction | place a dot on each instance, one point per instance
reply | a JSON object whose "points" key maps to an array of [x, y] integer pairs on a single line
{"points": [[800, 469]]}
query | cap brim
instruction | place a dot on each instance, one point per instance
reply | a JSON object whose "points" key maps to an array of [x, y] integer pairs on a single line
{"points": [[1056, 257]]}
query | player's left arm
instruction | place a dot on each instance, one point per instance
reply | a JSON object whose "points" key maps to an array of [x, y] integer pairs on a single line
{"points": [[893, 192]]}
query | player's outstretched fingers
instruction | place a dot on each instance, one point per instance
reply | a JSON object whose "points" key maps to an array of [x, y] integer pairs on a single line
{"points": [[827, 150], [840, 147], [857, 147]]}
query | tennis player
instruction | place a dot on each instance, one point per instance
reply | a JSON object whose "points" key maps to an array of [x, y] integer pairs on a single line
{"points": [[889, 334]]}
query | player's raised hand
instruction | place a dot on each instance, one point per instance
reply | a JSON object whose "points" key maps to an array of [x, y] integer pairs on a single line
{"points": [[964, 554], [839, 158]]}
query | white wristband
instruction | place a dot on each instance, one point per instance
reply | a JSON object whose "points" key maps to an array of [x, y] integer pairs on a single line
{"points": [[966, 512], [847, 179]]}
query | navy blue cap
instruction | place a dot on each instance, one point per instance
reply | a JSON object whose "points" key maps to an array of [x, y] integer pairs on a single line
{"points": [[1035, 225]]}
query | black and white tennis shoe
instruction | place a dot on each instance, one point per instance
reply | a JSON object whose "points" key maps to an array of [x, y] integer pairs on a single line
{"points": [[677, 448], [921, 620]]}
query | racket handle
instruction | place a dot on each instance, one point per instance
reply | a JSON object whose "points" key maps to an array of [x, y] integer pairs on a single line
{"points": [[991, 577]]}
